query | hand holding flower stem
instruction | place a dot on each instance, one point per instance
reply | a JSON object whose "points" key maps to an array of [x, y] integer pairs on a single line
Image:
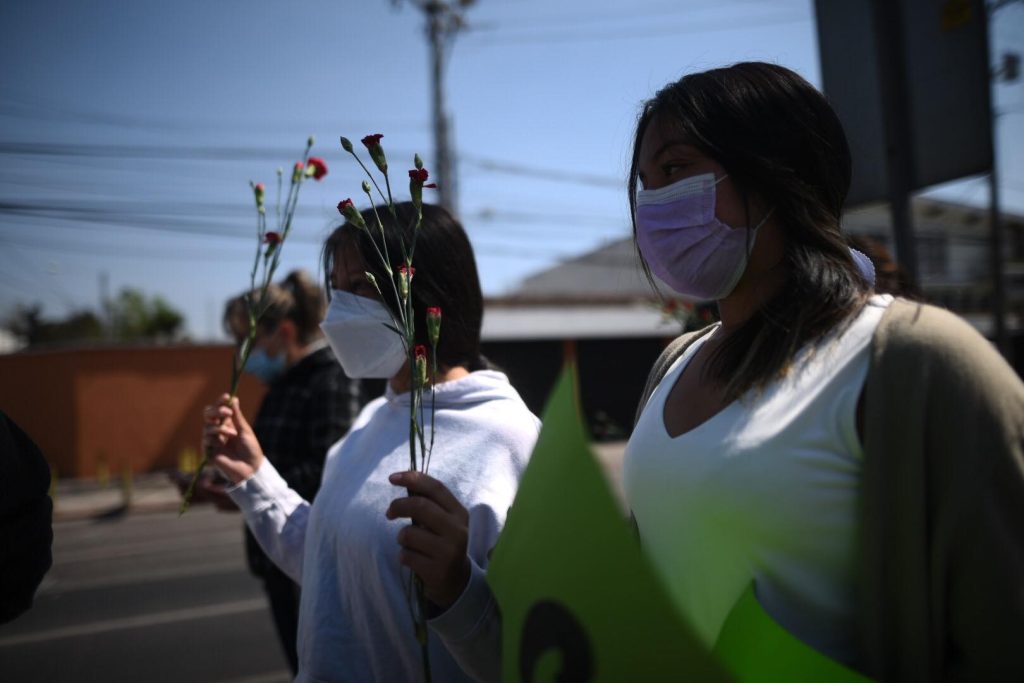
{"points": [[404, 325], [268, 255]]}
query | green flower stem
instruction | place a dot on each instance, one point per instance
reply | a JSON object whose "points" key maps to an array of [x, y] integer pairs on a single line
{"points": [[369, 175], [236, 375], [405, 327], [433, 405], [259, 307], [277, 211], [383, 239], [391, 204]]}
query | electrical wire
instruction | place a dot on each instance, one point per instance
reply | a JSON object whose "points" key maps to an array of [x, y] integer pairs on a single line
{"points": [[656, 31]]}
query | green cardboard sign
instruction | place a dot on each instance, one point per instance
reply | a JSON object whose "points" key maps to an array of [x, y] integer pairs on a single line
{"points": [[580, 602], [575, 592]]}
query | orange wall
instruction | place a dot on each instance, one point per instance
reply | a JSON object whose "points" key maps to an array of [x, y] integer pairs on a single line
{"points": [[127, 407]]}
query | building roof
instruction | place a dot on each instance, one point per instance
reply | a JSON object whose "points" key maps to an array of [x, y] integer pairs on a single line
{"points": [[612, 272], [533, 322]]}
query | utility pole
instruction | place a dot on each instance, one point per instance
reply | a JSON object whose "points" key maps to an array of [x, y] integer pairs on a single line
{"points": [[1007, 72], [444, 21], [892, 76]]}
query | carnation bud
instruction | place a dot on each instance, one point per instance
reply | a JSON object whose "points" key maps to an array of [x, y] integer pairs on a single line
{"points": [[346, 144], [417, 162], [372, 143], [405, 275], [272, 240], [416, 194], [310, 141], [421, 364], [297, 173], [347, 209], [434, 324], [366, 187], [316, 168]]}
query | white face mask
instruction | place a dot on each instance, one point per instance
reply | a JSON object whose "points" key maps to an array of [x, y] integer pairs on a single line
{"points": [[355, 328]]}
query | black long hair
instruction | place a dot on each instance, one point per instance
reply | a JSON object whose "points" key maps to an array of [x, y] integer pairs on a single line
{"points": [[445, 275], [777, 138]]}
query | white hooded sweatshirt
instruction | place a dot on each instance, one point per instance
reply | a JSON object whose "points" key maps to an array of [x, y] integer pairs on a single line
{"points": [[354, 620]]}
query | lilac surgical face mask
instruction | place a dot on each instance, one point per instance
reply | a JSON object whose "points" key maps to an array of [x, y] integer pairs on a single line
{"points": [[683, 243]]}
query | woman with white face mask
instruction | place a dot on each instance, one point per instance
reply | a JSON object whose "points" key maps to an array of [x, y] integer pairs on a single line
{"points": [[858, 459], [351, 550]]}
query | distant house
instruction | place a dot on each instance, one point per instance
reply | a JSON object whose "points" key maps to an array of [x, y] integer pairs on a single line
{"points": [[9, 342], [600, 309]]}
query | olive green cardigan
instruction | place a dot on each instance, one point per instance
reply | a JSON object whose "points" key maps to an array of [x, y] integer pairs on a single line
{"points": [[941, 528]]}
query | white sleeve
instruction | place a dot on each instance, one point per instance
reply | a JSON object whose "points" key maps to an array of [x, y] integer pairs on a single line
{"points": [[276, 515], [471, 628]]}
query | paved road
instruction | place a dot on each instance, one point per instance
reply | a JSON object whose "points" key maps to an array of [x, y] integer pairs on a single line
{"points": [[149, 596], [146, 597]]}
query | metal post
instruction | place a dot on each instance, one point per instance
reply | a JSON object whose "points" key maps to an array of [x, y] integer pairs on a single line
{"points": [[437, 31], [892, 75], [999, 302], [996, 253]]}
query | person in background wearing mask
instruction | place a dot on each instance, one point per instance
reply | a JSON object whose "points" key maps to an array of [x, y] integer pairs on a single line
{"points": [[858, 458], [348, 547], [310, 403]]}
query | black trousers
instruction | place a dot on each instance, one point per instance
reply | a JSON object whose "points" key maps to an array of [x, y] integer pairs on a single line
{"points": [[283, 594]]}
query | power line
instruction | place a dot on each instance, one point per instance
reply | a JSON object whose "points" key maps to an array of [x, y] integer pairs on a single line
{"points": [[576, 20], [39, 109], [223, 153], [646, 33], [482, 248], [538, 173], [195, 218]]}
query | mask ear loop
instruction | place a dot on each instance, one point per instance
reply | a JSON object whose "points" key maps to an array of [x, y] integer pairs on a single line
{"points": [[752, 232], [864, 266]]}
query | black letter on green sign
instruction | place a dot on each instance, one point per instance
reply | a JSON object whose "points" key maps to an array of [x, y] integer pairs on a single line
{"points": [[550, 625]]}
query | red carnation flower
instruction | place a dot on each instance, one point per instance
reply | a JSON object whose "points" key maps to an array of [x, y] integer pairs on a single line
{"points": [[420, 175], [406, 270], [344, 205], [431, 186], [317, 168], [421, 351], [433, 324], [372, 141], [272, 238]]}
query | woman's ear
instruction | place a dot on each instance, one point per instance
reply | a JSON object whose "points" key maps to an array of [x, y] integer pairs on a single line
{"points": [[289, 334]]}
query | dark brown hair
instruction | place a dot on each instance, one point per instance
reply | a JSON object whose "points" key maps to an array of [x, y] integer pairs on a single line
{"points": [[777, 138], [446, 275]]}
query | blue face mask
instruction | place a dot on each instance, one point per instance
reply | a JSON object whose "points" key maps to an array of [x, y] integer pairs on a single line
{"points": [[264, 366]]}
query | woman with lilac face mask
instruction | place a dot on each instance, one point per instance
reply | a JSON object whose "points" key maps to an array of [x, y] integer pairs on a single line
{"points": [[858, 458]]}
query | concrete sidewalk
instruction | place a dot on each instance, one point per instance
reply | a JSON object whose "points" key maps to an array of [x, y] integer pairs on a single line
{"points": [[87, 498]]}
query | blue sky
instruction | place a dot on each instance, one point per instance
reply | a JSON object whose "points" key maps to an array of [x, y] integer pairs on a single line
{"points": [[129, 129]]}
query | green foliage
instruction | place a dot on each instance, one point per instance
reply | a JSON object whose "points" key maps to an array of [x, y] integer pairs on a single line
{"points": [[131, 317], [134, 317], [28, 324]]}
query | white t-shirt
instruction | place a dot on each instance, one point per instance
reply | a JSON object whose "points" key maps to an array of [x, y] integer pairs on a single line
{"points": [[765, 490], [354, 622]]}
